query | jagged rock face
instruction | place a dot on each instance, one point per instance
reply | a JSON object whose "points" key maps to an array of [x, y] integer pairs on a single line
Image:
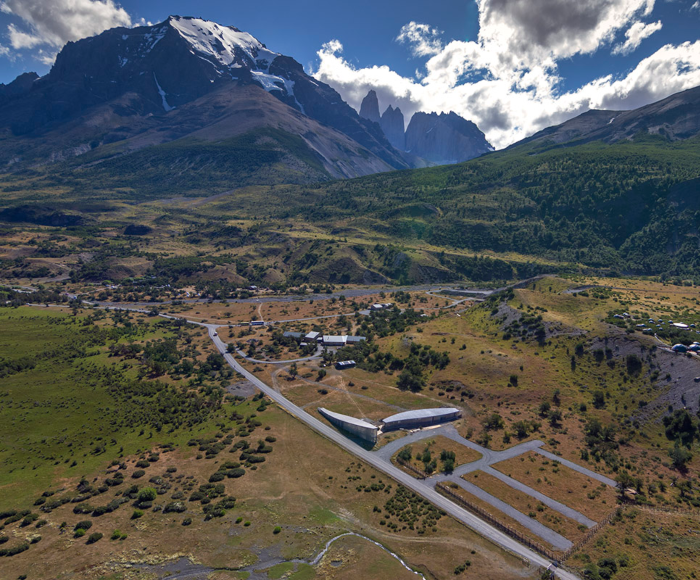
{"points": [[168, 65], [370, 107], [392, 123], [20, 86], [445, 138]]}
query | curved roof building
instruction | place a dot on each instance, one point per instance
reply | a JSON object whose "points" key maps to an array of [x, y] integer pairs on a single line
{"points": [[421, 418], [357, 427]]}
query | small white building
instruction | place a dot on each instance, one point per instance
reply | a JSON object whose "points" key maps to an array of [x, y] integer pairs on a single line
{"points": [[334, 340], [313, 336]]}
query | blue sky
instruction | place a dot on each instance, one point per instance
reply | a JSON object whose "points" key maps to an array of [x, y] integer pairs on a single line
{"points": [[299, 28], [534, 61]]}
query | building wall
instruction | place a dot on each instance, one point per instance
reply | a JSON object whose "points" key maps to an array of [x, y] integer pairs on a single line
{"points": [[421, 422], [364, 433]]}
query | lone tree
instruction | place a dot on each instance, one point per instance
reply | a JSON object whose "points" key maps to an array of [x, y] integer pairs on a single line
{"points": [[680, 456]]}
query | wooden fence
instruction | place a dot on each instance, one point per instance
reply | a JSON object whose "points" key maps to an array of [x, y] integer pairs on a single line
{"points": [[505, 528]]}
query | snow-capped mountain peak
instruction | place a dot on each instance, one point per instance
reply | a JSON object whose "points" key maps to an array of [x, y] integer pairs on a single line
{"points": [[224, 44]]}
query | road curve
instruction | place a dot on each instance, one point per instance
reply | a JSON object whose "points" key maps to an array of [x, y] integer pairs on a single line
{"points": [[470, 520]]}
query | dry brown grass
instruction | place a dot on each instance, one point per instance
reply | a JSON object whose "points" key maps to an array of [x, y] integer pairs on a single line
{"points": [[527, 505], [587, 496]]}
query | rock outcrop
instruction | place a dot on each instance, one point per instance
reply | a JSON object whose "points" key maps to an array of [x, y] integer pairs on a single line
{"points": [[370, 107], [445, 138], [392, 123], [430, 139]]}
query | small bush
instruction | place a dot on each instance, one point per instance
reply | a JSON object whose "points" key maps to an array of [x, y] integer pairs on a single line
{"points": [[138, 473], [142, 463], [218, 476], [83, 525], [174, 507], [277, 530], [94, 537], [79, 533], [147, 494], [136, 515], [235, 473], [186, 521], [18, 549]]}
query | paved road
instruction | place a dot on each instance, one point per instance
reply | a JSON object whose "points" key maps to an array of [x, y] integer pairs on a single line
{"points": [[472, 521], [478, 525], [349, 293], [549, 502], [488, 458], [547, 534], [319, 350]]}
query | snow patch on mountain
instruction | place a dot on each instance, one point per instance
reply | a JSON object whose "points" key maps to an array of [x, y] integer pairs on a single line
{"points": [[225, 44], [162, 94], [226, 48]]}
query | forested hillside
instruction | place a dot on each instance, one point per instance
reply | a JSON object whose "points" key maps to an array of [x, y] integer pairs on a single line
{"points": [[630, 206]]}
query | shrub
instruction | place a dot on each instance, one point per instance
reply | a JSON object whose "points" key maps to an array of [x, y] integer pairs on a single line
{"points": [[235, 473], [4, 539], [218, 476], [136, 515], [176, 507], [186, 521], [79, 533], [116, 534], [147, 494], [83, 525], [35, 540], [138, 473], [18, 549], [277, 530], [172, 469], [142, 463], [94, 537], [30, 519]]}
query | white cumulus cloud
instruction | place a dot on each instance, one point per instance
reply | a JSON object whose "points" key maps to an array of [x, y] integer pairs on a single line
{"points": [[53, 23], [634, 36], [507, 81], [423, 39]]}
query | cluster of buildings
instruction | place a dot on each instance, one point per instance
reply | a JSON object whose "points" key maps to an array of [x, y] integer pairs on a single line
{"points": [[328, 340], [407, 420]]}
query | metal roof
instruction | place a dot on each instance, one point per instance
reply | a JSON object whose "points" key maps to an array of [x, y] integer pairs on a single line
{"points": [[289, 334], [346, 419], [334, 338], [420, 414]]}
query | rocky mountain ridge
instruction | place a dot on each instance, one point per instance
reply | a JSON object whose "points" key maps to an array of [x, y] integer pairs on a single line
{"points": [[111, 88], [437, 139]]}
